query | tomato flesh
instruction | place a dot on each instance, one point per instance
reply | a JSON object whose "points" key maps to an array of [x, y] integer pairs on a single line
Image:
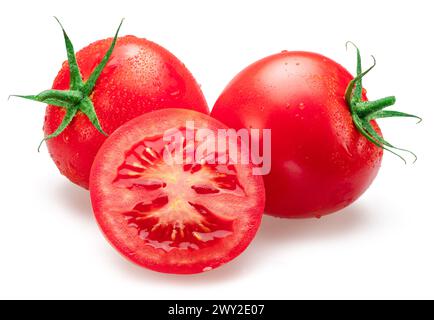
{"points": [[170, 216]]}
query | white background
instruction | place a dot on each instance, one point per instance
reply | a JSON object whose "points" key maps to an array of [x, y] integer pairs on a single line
{"points": [[381, 247]]}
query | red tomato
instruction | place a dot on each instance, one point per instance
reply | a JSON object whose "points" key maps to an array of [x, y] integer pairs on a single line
{"points": [[140, 76], [321, 163], [168, 217]]}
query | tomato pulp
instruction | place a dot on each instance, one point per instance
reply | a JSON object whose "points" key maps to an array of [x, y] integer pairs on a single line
{"points": [[321, 163], [171, 216]]}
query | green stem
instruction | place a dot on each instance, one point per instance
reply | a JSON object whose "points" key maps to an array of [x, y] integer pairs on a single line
{"points": [[364, 109]]}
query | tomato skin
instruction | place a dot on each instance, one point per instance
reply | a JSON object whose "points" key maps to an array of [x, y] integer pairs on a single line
{"points": [[320, 162], [108, 200], [141, 76]]}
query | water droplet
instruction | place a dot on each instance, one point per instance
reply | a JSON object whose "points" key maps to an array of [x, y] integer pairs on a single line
{"points": [[175, 93]]}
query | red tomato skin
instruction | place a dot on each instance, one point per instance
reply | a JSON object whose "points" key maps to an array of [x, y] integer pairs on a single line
{"points": [[140, 76], [125, 240], [320, 161]]}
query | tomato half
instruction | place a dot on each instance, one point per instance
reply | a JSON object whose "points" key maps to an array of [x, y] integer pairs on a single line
{"points": [[321, 163], [173, 217]]}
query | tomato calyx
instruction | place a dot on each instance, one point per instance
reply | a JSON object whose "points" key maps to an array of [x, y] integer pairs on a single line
{"points": [[363, 112], [77, 98]]}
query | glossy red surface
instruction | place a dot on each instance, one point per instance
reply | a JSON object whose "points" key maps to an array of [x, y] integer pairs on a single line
{"points": [[320, 162], [140, 76]]}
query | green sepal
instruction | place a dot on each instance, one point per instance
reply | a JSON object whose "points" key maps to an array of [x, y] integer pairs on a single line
{"points": [[58, 98], [86, 106], [77, 97], [76, 80], [91, 81], [363, 112], [67, 119], [355, 83], [368, 127], [366, 130], [391, 114]]}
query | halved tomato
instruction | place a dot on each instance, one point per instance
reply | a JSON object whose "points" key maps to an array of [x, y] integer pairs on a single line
{"points": [[175, 216]]}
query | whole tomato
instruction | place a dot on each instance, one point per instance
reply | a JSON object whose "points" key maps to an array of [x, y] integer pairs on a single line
{"points": [[326, 147], [106, 84]]}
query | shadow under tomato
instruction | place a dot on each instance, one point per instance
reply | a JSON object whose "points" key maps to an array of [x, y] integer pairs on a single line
{"points": [[227, 272], [273, 232], [78, 200], [75, 198]]}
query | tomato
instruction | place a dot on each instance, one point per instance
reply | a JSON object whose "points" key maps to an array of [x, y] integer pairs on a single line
{"points": [[139, 76], [326, 150], [174, 217]]}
